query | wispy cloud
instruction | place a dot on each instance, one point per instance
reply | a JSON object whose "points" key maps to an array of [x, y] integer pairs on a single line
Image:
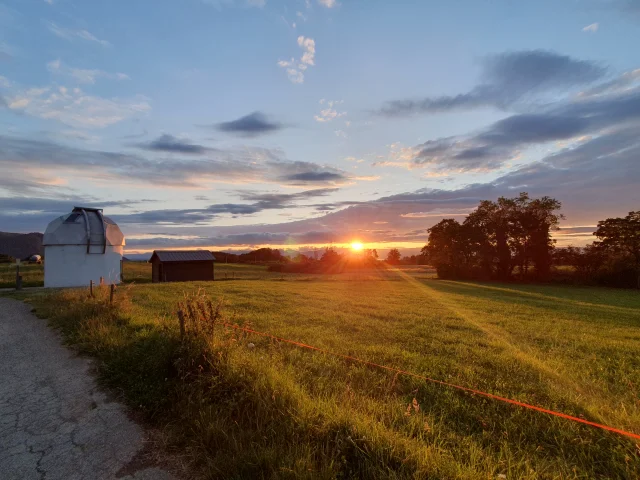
{"points": [[329, 113], [7, 52], [194, 216], [295, 70], [73, 107], [71, 34], [593, 28], [236, 166], [83, 75], [328, 3], [252, 125]]}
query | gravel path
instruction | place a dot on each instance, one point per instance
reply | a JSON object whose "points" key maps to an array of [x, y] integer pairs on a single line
{"points": [[54, 422]]}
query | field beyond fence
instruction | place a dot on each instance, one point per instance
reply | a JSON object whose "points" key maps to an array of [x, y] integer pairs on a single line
{"points": [[240, 405]]}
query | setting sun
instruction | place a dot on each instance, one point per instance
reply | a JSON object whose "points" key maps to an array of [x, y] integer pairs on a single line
{"points": [[357, 246]]}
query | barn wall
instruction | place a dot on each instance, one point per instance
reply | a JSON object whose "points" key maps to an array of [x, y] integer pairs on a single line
{"points": [[71, 266], [187, 271], [155, 271]]}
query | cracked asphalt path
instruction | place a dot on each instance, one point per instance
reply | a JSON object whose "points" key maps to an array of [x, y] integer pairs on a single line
{"points": [[54, 422]]}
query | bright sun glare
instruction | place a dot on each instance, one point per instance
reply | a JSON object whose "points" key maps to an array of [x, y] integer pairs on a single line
{"points": [[357, 246]]}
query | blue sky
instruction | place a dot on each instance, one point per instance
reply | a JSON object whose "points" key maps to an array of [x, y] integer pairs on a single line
{"points": [[241, 123]]}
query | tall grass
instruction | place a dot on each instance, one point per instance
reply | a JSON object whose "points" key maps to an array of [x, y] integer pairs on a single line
{"points": [[245, 406]]}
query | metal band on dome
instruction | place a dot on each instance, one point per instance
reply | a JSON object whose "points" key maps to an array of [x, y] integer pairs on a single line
{"points": [[87, 228]]}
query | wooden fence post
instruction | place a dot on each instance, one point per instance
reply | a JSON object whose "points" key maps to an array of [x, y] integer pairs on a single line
{"points": [[101, 281], [112, 287]]}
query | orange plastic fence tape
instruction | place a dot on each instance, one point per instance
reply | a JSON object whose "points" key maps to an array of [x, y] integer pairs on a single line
{"points": [[440, 382]]}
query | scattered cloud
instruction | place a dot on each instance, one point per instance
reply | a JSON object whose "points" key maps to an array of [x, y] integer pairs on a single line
{"points": [[307, 178], [73, 107], [281, 200], [593, 28], [170, 144], [71, 34], [508, 80], [313, 174], [328, 3], [309, 47], [21, 204], [32, 214], [598, 112], [78, 135], [329, 113], [237, 166], [398, 156], [295, 70], [252, 125], [196, 216], [83, 75]]}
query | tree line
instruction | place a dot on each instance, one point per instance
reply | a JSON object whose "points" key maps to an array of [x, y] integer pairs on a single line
{"points": [[510, 239]]}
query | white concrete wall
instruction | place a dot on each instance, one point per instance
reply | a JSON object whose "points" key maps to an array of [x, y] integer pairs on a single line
{"points": [[71, 266]]}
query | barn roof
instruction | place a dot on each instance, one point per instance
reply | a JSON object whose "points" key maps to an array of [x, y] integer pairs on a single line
{"points": [[183, 255]]}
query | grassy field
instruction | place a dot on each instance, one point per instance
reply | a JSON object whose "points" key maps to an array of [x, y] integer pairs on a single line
{"points": [[134, 272], [32, 275], [278, 411]]}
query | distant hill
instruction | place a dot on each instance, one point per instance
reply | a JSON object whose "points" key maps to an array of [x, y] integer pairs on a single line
{"points": [[20, 245]]}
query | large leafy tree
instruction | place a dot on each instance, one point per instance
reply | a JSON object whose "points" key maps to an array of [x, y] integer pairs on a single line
{"points": [[496, 238], [452, 248], [534, 220], [393, 257], [492, 222], [622, 235]]}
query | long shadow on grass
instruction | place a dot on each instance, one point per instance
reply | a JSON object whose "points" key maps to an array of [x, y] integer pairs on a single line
{"points": [[589, 312]]}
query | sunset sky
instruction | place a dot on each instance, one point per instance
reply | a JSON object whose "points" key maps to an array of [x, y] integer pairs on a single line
{"points": [[232, 124]]}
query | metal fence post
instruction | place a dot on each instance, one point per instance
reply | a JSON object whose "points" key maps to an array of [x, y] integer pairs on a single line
{"points": [[91, 288]]}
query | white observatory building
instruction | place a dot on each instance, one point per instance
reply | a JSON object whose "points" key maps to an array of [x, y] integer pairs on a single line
{"points": [[81, 246]]}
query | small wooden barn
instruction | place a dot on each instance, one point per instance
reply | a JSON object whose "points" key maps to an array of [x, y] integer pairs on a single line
{"points": [[181, 265]]}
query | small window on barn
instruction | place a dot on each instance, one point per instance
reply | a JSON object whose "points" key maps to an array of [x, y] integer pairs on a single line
{"points": [[72, 218]]}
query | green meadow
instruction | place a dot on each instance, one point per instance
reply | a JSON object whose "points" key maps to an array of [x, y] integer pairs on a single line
{"points": [[233, 404]]}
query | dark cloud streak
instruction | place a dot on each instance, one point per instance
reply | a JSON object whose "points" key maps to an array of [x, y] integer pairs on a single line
{"points": [[508, 79], [252, 125], [171, 144]]}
